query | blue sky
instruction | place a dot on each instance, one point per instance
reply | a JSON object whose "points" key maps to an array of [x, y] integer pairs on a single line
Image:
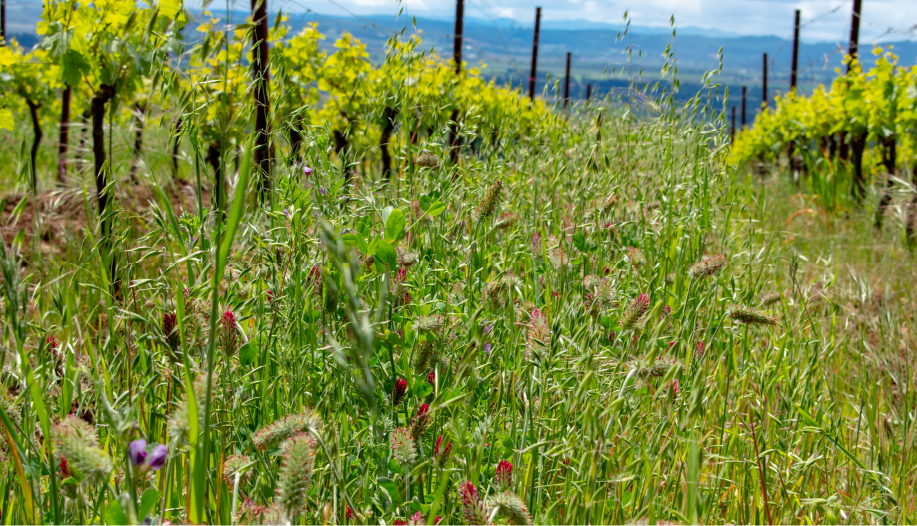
{"points": [[745, 17]]}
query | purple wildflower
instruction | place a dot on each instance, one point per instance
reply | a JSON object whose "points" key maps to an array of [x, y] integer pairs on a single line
{"points": [[137, 452], [158, 458], [143, 460]]}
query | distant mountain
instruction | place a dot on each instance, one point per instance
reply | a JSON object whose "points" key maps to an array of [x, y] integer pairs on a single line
{"points": [[577, 25]]}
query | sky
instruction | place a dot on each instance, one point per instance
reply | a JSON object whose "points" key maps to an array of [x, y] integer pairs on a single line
{"points": [[823, 20]]}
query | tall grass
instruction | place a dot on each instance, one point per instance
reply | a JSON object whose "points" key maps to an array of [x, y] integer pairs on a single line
{"points": [[593, 323]]}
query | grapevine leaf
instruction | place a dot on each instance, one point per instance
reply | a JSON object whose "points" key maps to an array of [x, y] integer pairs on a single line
{"points": [[6, 119], [169, 8], [73, 67]]}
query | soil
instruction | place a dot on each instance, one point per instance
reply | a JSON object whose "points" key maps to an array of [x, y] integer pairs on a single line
{"points": [[62, 212]]}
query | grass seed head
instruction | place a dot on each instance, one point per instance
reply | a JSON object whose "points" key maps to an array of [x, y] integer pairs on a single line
{"points": [[708, 266], [770, 298], [315, 280], [426, 160], [272, 435], [432, 323], [170, 330], [536, 247], [252, 513], [490, 202], [636, 257], [233, 465], [635, 312], [77, 441], [510, 507], [296, 474], [179, 426], [424, 356], [538, 339], [407, 259], [749, 316]]}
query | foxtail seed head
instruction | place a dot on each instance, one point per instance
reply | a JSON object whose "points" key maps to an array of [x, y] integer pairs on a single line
{"points": [[274, 434], [510, 507], [707, 266], [635, 311], [490, 201], [770, 299], [298, 461], [76, 441], [749, 316], [233, 465]]}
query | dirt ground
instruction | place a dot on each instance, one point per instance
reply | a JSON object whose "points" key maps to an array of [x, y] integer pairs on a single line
{"points": [[61, 213]]}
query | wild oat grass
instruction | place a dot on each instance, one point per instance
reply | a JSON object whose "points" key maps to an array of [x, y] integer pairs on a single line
{"points": [[597, 321]]}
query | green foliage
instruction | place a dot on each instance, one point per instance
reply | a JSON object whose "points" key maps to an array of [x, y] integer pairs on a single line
{"points": [[394, 343], [881, 103]]}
